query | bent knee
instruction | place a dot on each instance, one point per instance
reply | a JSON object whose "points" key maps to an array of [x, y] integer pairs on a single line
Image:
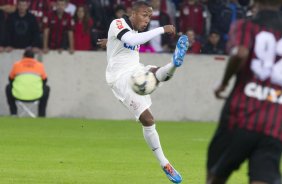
{"points": [[147, 119]]}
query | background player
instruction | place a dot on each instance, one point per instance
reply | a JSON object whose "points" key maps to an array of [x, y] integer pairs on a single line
{"points": [[251, 121], [123, 60]]}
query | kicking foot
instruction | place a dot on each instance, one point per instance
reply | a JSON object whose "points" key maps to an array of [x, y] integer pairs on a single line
{"points": [[172, 174], [180, 50]]}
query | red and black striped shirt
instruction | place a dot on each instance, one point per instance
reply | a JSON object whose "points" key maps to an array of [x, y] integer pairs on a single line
{"points": [[58, 29], [39, 8], [255, 102], [8, 2]]}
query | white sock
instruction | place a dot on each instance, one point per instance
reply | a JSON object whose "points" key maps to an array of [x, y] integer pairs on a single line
{"points": [[166, 72], [152, 138]]}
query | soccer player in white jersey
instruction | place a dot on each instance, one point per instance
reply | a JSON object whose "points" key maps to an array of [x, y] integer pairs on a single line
{"points": [[123, 46]]}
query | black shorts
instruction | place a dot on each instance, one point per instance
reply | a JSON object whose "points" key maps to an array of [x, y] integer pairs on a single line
{"points": [[228, 149]]}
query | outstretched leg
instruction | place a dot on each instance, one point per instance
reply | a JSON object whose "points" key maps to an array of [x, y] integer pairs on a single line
{"points": [[152, 138], [166, 72]]}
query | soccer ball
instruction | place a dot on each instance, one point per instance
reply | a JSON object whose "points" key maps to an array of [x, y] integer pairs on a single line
{"points": [[143, 82]]}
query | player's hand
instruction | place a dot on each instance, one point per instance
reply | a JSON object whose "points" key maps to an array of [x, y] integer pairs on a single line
{"points": [[170, 29], [102, 43], [219, 90]]}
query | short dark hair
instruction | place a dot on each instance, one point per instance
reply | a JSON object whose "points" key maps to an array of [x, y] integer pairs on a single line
{"points": [[269, 2], [119, 7], [214, 31], [28, 53], [139, 4]]}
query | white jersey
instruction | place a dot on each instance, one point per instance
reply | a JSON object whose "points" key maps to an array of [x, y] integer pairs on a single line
{"points": [[121, 57]]}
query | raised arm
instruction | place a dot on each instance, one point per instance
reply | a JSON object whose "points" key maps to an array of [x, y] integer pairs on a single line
{"points": [[140, 38]]}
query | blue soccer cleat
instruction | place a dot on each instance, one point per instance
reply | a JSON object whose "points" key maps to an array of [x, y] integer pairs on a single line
{"points": [[172, 174], [180, 50]]}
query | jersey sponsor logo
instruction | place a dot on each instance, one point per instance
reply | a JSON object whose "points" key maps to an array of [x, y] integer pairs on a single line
{"points": [[119, 24], [137, 47], [263, 93]]}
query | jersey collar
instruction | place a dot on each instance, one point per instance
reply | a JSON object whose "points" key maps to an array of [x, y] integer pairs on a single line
{"points": [[126, 18]]}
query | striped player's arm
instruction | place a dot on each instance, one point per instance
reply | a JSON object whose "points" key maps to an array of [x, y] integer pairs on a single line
{"points": [[238, 49]]}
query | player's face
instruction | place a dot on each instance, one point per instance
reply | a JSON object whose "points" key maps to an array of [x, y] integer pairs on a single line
{"points": [[214, 38], [191, 36], [80, 12], [22, 7], [141, 17], [61, 6]]}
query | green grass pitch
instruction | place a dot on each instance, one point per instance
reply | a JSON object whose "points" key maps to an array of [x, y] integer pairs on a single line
{"points": [[78, 151]]}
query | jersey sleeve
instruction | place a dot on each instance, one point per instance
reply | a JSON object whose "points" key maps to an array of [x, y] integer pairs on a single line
{"points": [[119, 28], [14, 71], [42, 72], [240, 34]]}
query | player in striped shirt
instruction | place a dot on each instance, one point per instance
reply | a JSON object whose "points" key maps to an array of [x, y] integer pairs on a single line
{"points": [[250, 126]]}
